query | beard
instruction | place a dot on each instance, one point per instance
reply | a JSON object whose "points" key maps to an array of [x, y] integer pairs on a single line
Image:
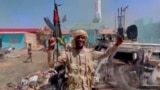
{"points": [[80, 45]]}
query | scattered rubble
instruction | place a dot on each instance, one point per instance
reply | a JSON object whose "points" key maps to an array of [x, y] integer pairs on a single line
{"points": [[35, 81], [17, 53]]}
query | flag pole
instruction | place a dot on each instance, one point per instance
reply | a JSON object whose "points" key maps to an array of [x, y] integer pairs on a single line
{"points": [[57, 35], [57, 43], [57, 26]]}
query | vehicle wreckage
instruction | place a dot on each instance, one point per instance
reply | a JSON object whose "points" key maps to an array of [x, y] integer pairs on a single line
{"points": [[129, 68], [133, 66]]}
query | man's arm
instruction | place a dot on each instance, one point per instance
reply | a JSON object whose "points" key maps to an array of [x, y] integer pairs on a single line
{"points": [[107, 53], [61, 59], [54, 62], [100, 55]]}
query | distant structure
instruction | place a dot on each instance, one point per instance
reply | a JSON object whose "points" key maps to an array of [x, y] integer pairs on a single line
{"points": [[122, 17], [121, 21], [98, 16]]}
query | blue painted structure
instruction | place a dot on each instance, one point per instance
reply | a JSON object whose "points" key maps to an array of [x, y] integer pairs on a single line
{"points": [[67, 38], [92, 36], [16, 40]]}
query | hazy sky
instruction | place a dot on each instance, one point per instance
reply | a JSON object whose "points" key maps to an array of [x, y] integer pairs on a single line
{"points": [[30, 13]]}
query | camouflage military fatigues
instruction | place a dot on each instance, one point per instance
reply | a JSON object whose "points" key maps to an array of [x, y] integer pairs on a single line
{"points": [[80, 67], [50, 58]]}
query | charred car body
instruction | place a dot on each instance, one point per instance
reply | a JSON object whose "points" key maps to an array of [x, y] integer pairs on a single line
{"points": [[132, 66]]}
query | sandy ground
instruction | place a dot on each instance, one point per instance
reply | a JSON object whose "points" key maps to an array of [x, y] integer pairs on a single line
{"points": [[13, 69]]}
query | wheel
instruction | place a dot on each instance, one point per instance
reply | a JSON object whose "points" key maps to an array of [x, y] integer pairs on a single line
{"points": [[64, 86]]}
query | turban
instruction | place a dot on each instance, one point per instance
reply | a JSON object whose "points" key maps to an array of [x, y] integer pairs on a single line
{"points": [[76, 34]]}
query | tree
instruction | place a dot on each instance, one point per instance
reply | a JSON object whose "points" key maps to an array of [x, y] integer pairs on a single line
{"points": [[44, 34]]}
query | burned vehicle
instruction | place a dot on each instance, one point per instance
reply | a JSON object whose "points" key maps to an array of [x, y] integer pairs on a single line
{"points": [[132, 66]]}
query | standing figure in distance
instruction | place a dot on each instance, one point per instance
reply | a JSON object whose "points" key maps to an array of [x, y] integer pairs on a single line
{"points": [[29, 50]]}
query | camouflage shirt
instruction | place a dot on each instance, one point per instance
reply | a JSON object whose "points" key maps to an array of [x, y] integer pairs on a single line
{"points": [[80, 67]]}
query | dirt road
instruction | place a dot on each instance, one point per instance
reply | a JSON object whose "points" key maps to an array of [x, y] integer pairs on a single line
{"points": [[13, 69]]}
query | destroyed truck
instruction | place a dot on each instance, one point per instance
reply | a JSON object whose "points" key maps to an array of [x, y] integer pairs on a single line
{"points": [[132, 66]]}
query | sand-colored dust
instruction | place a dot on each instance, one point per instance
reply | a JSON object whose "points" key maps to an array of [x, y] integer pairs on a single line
{"points": [[5, 64]]}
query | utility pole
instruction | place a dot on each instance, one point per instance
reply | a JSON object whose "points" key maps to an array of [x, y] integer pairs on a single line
{"points": [[121, 15], [121, 21], [120, 25], [124, 16], [115, 22]]}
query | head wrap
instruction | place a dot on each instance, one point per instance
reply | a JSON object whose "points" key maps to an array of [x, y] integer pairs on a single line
{"points": [[77, 33]]}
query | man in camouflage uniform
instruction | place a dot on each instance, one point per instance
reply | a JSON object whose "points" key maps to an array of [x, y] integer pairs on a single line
{"points": [[79, 61]]}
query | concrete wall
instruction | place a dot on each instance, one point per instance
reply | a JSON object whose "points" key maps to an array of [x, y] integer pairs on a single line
{"points": [[31, 38]]}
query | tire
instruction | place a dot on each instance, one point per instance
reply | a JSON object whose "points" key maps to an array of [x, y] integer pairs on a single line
{"points": [[64, 86]]}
